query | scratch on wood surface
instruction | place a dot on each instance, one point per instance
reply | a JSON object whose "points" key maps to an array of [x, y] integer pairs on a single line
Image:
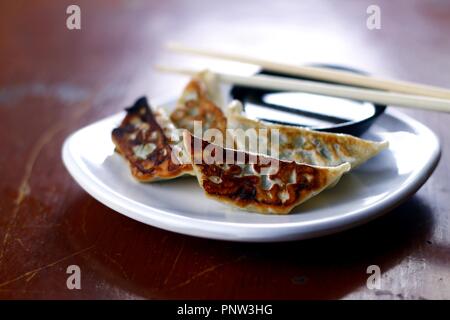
{"points": [[43, 226], [30, 277], [116, 263], [206, 271], [23, 192], [21, 244], [29, 274], [24, 189], [169, 274]]}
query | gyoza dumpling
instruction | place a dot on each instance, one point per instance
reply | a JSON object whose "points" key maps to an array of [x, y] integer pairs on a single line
{"points": [[305, 145], [200, 101], [256, 182], [150, 144]]}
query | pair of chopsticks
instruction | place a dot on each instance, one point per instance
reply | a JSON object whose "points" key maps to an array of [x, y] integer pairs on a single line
{"points": [[381, 91]]}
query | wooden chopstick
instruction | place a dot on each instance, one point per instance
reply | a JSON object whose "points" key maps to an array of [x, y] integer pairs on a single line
{"points": [[323, 74], [340, 91]]}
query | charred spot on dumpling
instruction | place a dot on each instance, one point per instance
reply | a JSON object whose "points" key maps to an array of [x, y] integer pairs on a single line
{"points": [[142, 141], [139, 104]]}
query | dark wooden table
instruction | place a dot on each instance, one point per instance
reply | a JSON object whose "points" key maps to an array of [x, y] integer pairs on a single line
{"points": [[54, 80]]}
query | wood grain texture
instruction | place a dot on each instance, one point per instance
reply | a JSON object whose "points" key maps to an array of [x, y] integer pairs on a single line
{"points": [[54, 80]]}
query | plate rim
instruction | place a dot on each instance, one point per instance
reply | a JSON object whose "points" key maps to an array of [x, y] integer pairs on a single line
{"points": [[254, 232]]}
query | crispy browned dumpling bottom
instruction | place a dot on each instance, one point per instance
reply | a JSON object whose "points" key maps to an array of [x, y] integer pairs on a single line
{"points": [[243, 184], [145, 144]]}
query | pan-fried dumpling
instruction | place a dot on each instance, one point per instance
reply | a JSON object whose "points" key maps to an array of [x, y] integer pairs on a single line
{"points": [[305, 145], [256, 182], [200, 101], [149, 142]]}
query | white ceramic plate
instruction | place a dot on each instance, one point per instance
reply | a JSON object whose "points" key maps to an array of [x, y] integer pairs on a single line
{"points": [[180, 205]]}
